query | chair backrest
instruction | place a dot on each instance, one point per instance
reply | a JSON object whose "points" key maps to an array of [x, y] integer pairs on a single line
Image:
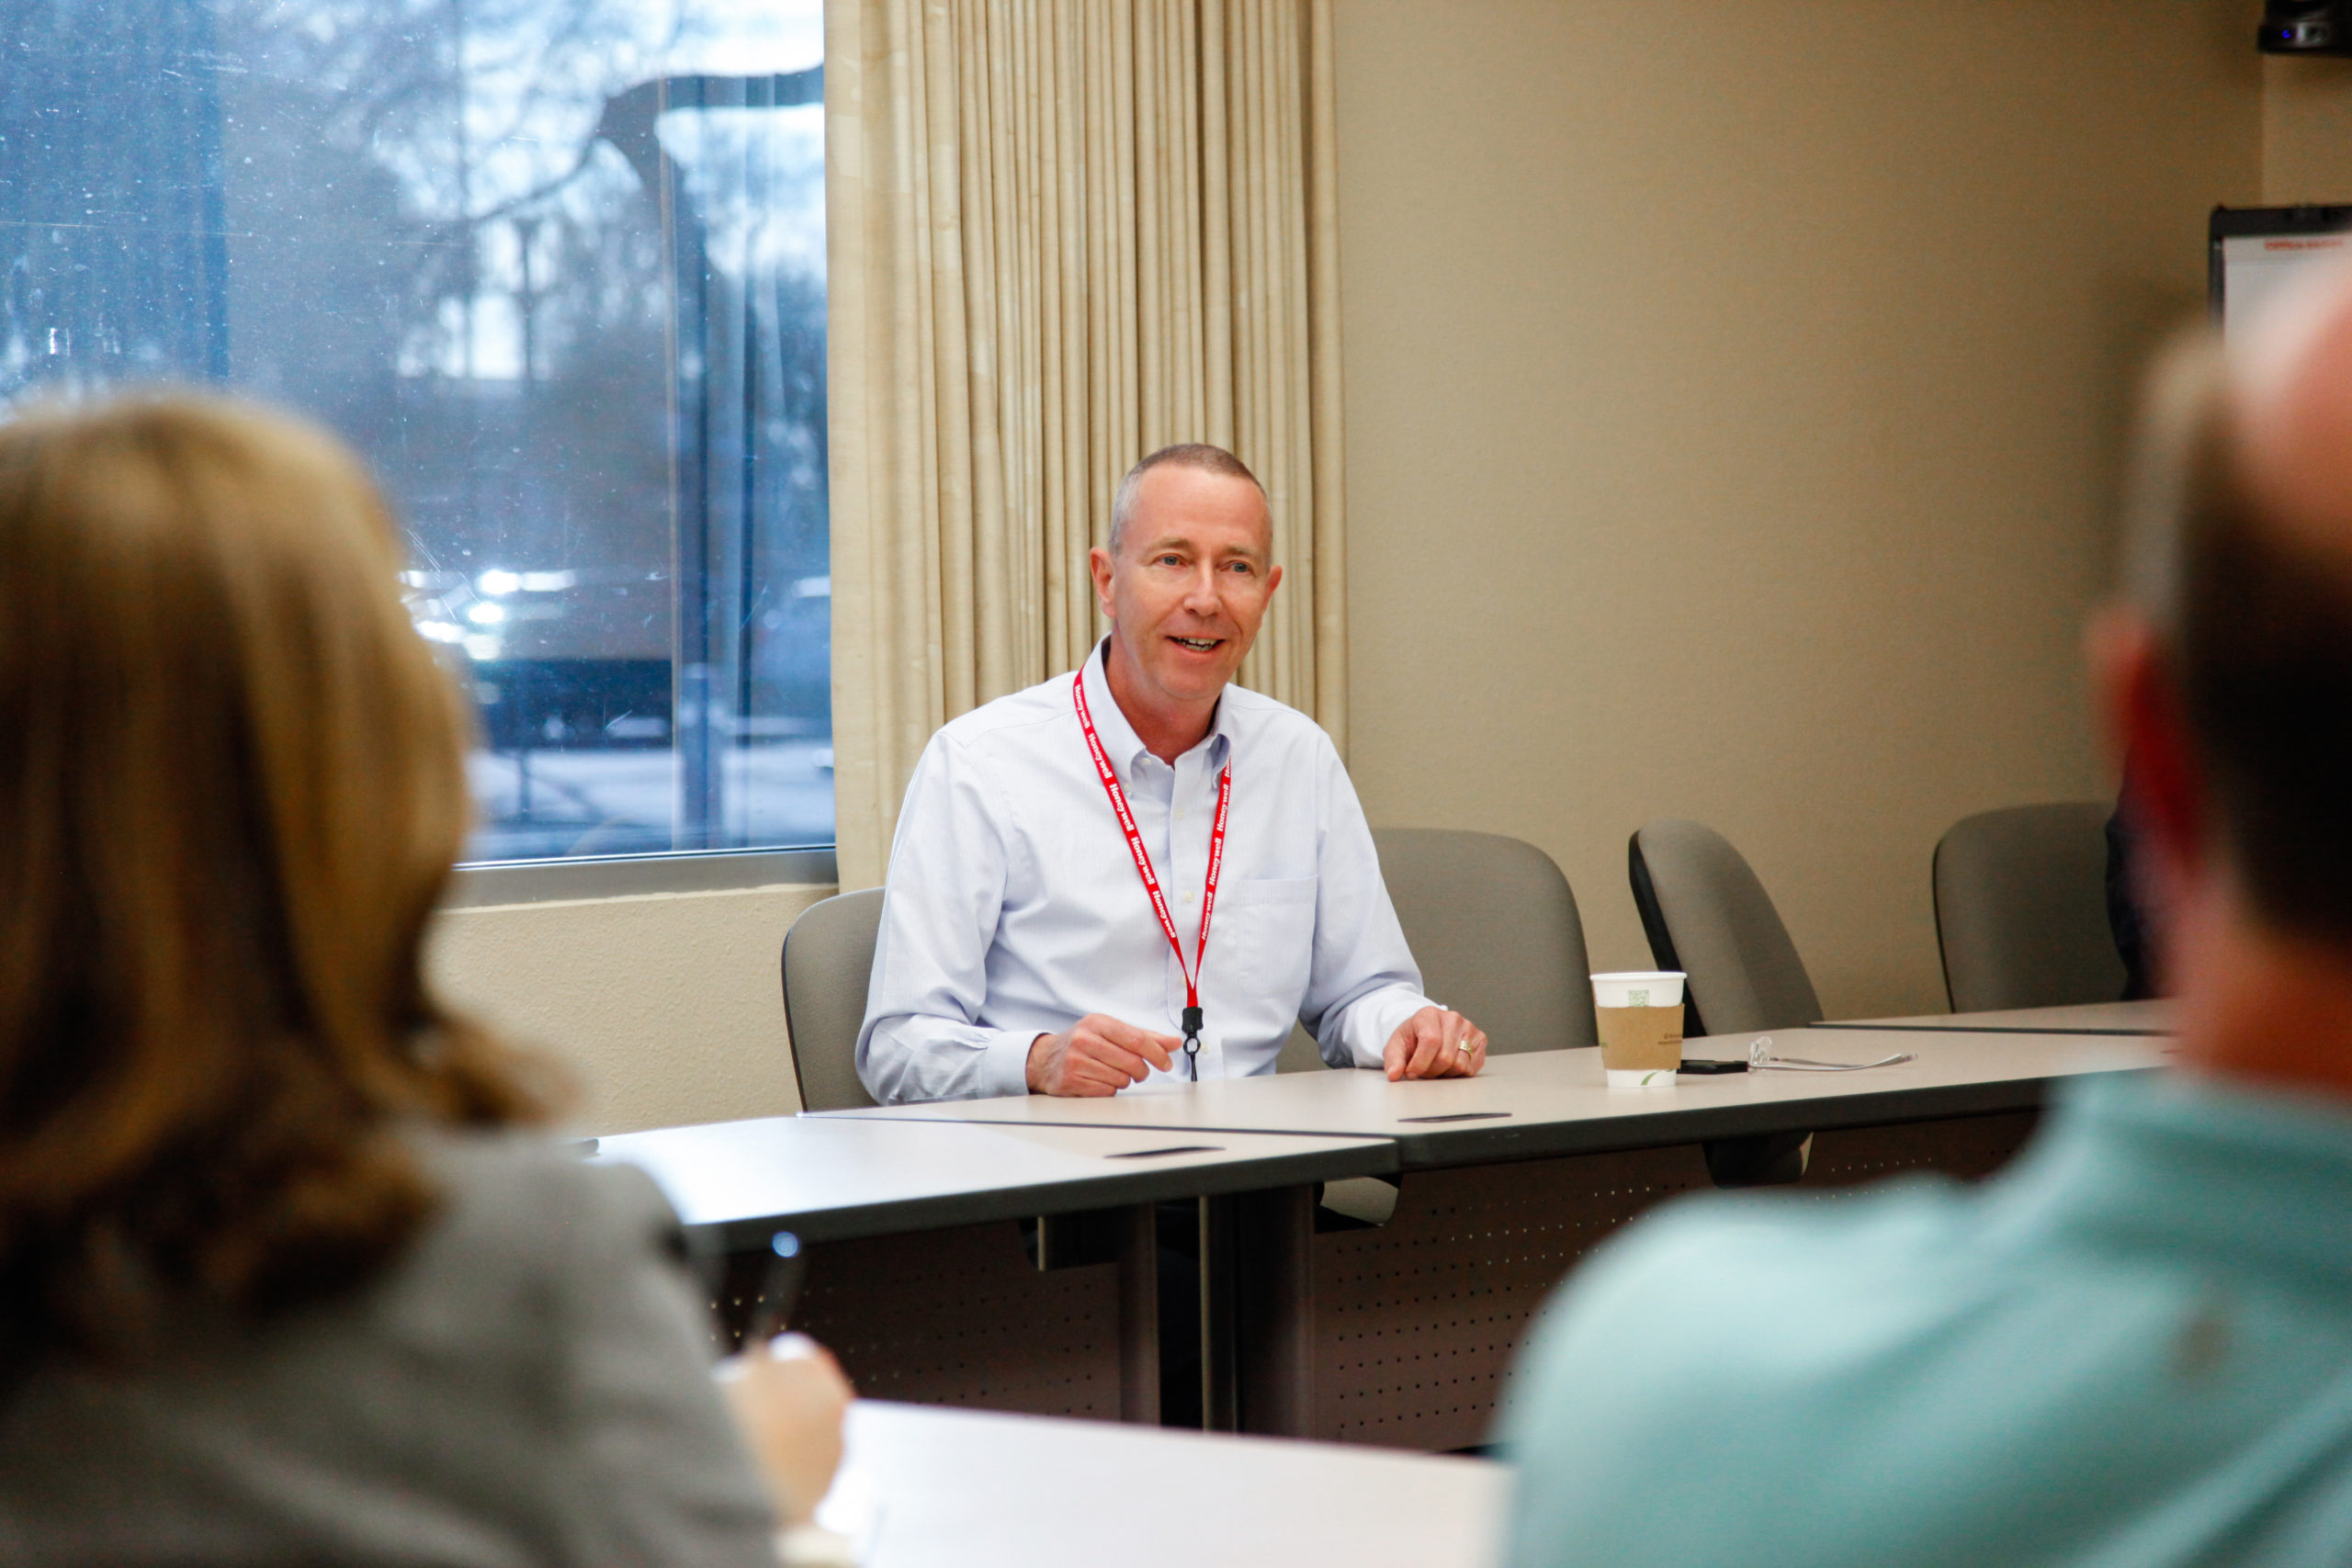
{"points": [[1494, 927], [828, 959], [2021, 908], [1706, 914]]}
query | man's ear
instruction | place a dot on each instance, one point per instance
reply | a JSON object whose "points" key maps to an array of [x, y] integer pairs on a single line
{"points": [[1098, 564], [2147, 727]]}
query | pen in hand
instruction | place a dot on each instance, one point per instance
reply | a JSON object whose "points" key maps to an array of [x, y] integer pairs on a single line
{"points": [[788, 1396], [779, 1292]]}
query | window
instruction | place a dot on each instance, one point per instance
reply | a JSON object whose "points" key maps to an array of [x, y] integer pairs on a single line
{"points": [[557, 268]]}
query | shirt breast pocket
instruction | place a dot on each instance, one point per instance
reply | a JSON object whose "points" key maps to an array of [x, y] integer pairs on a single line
{"points": [[1265, 932]]}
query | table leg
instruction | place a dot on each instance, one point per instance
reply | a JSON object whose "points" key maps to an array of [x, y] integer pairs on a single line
{"points": [[1139, 1315], [1220, 1397], [1274, 1312]]}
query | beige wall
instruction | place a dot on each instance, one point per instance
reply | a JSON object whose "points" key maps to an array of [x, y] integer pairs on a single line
{"points": [[1731, 418], [2306, 132], [1733, 393], [665, 1008]]}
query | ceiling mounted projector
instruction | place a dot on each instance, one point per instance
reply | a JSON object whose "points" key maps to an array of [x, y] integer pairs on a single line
{"points": [[2299, 27]]}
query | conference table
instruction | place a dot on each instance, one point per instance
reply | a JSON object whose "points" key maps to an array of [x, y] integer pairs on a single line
{"points": [[2152, 1016], [1541, 1104], [1401, 1333], [923, 1487], [918, 1273]]}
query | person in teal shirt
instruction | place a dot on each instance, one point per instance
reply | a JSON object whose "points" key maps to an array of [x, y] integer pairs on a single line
{"points": [[2135, 1346]]}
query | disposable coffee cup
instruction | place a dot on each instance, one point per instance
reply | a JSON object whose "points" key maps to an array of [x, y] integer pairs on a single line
{"points": [[1640, 1012]]}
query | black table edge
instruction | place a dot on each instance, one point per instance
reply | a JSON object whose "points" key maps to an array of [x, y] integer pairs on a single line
{"points": [[1497, 1141]]}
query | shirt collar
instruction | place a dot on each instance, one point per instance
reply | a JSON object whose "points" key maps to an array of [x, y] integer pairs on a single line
{"points": [[1119, 737], [1221, 728], [2212, 1170]]}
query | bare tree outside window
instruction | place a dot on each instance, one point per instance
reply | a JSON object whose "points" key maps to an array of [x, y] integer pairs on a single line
{"points": [[557, 267]]}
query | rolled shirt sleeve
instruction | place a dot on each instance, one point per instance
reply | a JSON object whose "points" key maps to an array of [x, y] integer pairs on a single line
{"points": [[922, 1037]]}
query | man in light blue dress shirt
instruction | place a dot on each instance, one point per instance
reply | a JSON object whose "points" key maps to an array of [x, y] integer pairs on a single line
{"points": [[1019, 951], [2135, 1346]]}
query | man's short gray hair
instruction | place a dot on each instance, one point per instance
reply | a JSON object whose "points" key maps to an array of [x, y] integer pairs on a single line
{"points": [[1198, 455]]}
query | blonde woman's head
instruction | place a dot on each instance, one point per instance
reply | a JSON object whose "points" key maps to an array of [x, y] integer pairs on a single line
{"points": [[232, 781]]}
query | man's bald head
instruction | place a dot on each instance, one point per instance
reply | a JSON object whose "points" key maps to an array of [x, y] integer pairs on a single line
{"points": [[2289, 390], [2243, 497]]}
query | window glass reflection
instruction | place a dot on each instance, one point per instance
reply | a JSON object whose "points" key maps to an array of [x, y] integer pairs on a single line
{"points": [[557, 267]]}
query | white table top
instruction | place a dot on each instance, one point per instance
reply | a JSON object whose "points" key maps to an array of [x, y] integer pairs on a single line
{"points": [[2151, 1017], [1549, 1102], [828, 1179], [926, 1487]]}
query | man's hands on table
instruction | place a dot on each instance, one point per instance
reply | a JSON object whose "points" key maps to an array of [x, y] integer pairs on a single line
{"points": [[1098, 1055], [1435, 1042], [1101, 1056]]}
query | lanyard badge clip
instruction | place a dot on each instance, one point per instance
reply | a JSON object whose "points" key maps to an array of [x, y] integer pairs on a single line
{"points": [[1193, 1042]]}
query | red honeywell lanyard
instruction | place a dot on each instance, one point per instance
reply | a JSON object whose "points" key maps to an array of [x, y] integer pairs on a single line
{"points": [[1110, 777]]}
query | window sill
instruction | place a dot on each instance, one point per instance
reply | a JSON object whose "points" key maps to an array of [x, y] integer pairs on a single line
{"points": [[619, 876]]}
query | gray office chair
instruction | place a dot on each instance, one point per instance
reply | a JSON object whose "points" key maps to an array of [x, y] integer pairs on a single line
{"points": [[828, 959], [1493, 924], [2021, 908], [1705, 914]]}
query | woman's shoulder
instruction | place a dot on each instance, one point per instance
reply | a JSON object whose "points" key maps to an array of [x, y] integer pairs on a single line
{"points": [[523, 1210], [530, 1374], [522, 1178]]}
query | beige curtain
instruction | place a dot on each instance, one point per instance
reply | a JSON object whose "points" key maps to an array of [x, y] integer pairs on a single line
{"points": [[1063, 233]]}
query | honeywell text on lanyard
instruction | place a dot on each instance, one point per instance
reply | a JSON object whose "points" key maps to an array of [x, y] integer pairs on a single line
{"points": [[1103, 771]]}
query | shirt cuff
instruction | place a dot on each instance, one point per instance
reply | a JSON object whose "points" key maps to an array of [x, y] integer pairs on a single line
{"points": [[1005, 1070], [1375, 1018]]}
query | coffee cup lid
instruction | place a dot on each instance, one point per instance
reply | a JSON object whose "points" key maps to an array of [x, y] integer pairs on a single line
{"points": [[1638, 988]]}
